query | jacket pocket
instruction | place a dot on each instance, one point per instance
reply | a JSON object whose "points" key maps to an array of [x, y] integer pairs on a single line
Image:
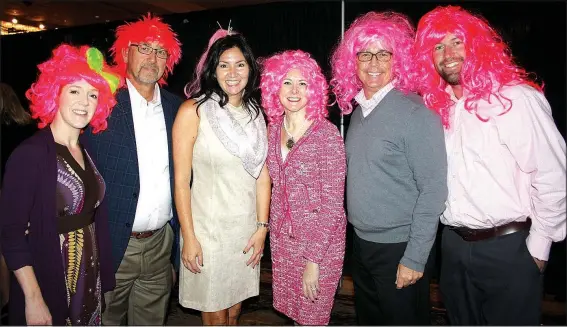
{"points": [[313, 191]]}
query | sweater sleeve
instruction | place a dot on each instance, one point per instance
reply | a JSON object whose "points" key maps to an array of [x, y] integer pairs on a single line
{"points": [[427, 159], [332, 172], [16, 201]]}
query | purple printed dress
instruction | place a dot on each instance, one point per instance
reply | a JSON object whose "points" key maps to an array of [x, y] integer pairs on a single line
{"points": [[79, 193]]}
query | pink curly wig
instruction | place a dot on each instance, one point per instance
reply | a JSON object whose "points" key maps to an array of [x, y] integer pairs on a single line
{"points": [[394, 32], [68, 65], [275, 69], [147, 29], [193, 87], [487, 68]]}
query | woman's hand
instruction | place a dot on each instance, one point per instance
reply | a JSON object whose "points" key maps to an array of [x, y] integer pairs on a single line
{"points": [[257, 242], [311, 280], [192, 254], [37, 312]]}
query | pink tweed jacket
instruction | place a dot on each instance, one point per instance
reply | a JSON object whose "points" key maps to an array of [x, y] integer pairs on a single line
{"points": [[308, 188]]}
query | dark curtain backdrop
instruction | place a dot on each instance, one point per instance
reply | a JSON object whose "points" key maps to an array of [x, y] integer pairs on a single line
{"points": [[535, 32]]}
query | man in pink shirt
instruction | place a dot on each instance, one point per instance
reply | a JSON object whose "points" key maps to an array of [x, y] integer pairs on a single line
{"points": [[506, 171]]}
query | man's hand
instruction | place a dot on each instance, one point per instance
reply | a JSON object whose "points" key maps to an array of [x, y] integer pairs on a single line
{"points": [[540, 264], [406, 276]]}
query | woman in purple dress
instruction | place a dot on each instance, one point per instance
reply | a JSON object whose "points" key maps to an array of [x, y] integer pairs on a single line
{"points": [[54, 233]]}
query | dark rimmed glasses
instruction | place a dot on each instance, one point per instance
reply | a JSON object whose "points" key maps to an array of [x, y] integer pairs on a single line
{"points": [[146, 49], [382, 56]]}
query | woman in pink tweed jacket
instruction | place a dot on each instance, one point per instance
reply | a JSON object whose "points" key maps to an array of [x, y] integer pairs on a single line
{"points": [[307, 164]]}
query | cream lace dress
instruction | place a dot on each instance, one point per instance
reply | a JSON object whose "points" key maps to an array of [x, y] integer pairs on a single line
{"points": [[223, 202]]}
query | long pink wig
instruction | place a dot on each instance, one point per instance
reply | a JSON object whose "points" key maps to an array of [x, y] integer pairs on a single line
{"points": [[68, 65], [274, 71], [487, 68], [193, 86], [394, 32], [147, 29]]}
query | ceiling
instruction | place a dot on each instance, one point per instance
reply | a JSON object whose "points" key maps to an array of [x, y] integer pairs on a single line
{"points": [[54, 14]]}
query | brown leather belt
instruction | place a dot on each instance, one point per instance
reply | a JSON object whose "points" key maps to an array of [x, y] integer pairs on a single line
{"points": [[471, 235], [145, 234]]}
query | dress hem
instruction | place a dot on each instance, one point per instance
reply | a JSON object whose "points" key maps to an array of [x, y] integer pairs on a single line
{"points": [[197, 306]]}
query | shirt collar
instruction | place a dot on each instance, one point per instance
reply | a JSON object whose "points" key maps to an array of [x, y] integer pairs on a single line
{"points": [[449, 91], [135, 96], [369, 104]]}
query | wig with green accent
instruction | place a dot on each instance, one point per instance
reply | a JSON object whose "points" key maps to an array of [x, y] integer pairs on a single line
{"points": [[95, 59], [67, 65]]}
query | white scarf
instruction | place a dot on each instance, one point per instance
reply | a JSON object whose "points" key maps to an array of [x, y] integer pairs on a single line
{"points": [[249, 141]]}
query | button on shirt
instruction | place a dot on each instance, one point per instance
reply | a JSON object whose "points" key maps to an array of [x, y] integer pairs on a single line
{"points": [[507, 168], [368, 105], [154, 208]]}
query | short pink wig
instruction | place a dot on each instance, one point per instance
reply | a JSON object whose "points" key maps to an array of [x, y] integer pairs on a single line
{"points": [[274, 71], [147, 29], [68, 65], [394, 32], [487, 68]]}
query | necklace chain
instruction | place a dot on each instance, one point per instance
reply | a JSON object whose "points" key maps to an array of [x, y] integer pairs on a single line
{"points": [[291, 140]]}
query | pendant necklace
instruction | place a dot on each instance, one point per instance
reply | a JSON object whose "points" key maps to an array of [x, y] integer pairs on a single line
{"points": [[290, 141]]}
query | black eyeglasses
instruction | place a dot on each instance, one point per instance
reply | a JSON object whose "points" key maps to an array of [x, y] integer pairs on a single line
{"points": [[146, 49], [382, 56]]}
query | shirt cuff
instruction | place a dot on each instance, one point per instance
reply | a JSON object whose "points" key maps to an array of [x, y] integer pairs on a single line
{"points": [[538, 246]]}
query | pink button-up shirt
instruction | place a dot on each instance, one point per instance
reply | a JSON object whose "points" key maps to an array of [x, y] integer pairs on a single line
{"points": [[508, 168]]}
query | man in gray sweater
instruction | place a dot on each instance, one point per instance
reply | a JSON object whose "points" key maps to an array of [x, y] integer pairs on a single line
{"points": [[397, 170]]}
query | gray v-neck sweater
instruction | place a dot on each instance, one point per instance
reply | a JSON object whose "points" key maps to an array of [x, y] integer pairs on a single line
{"points": [[397, 175]]}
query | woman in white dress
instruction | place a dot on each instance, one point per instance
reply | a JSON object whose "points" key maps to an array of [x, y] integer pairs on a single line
{"points": [[220, 145]]}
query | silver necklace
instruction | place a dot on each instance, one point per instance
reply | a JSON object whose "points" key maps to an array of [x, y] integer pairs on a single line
{"points": [[291, 141]]}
